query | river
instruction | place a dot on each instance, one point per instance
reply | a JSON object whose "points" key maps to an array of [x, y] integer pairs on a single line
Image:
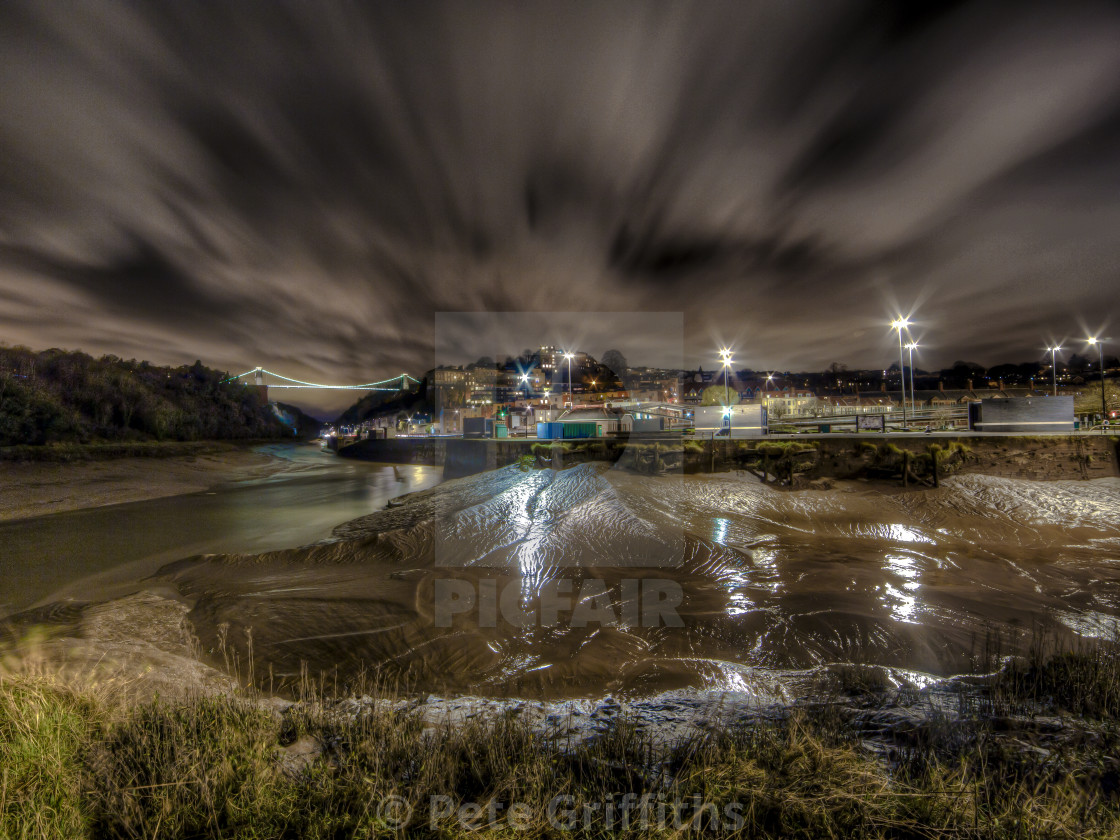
{"points": [[103, 550], [543, 583]]}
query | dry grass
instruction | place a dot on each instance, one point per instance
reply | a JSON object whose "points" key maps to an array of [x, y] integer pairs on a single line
{"points": [[77, 761], [74, 767]]}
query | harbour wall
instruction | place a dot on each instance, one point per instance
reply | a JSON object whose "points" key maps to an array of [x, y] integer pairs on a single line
{"points": [[1042, 457]]}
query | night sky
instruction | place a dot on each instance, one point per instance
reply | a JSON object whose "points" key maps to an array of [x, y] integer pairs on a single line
{"points": [[304, 185]]}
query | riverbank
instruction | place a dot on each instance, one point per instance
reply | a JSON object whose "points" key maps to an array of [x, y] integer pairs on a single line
{"points": [[155, 713], [1027, 752], [910, 460], [64, 480]]}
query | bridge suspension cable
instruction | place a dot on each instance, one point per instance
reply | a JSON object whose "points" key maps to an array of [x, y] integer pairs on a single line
{"points": [[300, 383]]}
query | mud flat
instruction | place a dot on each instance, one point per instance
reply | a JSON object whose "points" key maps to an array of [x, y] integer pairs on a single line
{"points": [[765, 581], [769, 582], [37, 488], [873, 629]]}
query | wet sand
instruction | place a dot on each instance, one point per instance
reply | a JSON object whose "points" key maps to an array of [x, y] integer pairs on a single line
{"points": [[931, 583], [36, 489], [770, 584]]}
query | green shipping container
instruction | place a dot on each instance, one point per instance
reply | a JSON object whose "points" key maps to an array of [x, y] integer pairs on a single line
{"points": [[501, 430], [583, 429]]}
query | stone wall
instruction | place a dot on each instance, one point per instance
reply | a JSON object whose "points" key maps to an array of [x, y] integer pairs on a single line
{"points": [[1048, 457]]}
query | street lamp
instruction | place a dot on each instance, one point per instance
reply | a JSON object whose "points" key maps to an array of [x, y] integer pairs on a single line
{"points": [[568, 356], [913, 402], [1054, 365], [900, 324], [725, 355], [1100, 351]]}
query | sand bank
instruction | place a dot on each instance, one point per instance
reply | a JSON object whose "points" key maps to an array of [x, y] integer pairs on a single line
{"points": [[38, 488]]}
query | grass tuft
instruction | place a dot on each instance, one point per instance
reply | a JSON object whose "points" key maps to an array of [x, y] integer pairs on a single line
{"points": [[74, 765]]}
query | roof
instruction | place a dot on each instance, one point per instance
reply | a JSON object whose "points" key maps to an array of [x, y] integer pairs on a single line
{"points": [[588, 414]]}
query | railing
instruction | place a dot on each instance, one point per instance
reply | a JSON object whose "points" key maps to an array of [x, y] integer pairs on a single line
{"points": [[935, 417]]}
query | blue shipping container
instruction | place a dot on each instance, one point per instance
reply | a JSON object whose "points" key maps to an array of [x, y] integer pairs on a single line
{"points": [[549, 431]]}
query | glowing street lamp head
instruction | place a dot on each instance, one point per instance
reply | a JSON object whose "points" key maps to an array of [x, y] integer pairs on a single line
{"points": [[569, 356], [900, 323], [1092, 340], [913, 345]]}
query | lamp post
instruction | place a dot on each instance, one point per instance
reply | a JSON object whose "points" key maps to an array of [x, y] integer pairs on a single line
{"points": [[1054, 366], [1100, 351], [900, 324], [568, 356], [725, 355], [913, 402]]}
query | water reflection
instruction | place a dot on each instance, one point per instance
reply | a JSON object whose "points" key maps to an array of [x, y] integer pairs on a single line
{"points": [[120, 544], [719, 530], [769, 580]]}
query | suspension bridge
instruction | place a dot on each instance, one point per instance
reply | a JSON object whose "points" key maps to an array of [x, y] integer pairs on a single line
{"points": [[393, 383]]}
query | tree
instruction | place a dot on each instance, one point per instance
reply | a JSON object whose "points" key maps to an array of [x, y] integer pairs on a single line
{"points": [[1088, 401], [718, 395], [835, 373], [961, 372], [1004, 373], [1080, 363], [614, 360]]}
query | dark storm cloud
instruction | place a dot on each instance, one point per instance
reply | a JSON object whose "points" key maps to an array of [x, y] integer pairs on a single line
{"points": [[304, 185]]}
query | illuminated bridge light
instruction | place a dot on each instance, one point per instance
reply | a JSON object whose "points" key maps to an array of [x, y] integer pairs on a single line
{"points": [[300, 383]]}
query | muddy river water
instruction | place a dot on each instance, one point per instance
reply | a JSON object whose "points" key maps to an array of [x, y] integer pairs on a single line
{"points": [[594, 580]]}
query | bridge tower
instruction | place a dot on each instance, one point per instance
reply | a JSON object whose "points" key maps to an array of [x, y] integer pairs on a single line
{"points": [[260, 387]]}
